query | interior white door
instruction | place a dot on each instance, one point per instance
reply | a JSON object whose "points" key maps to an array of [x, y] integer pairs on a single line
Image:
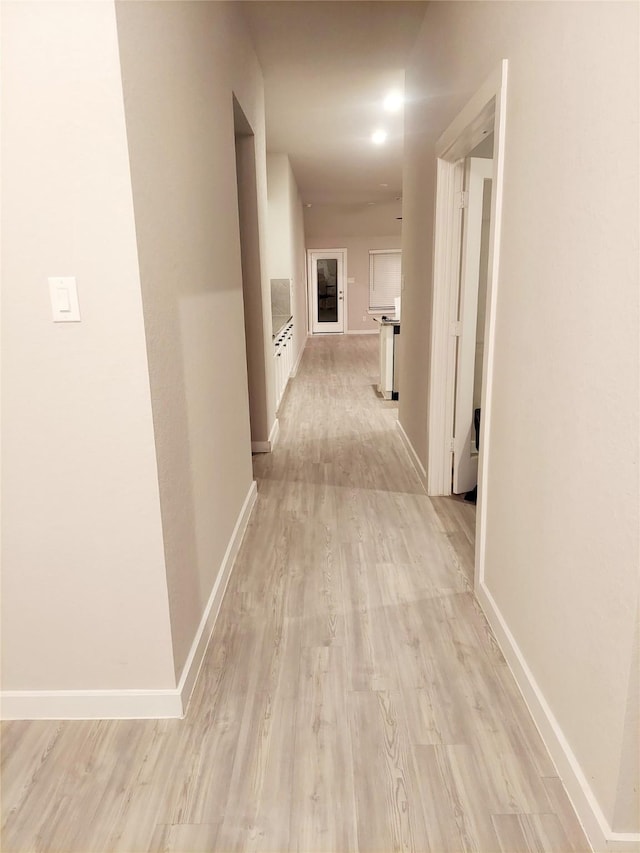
{"points": [[327, 290], [465, 456]]}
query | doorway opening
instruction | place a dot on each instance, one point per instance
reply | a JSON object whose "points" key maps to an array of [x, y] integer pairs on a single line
{"points": [[327, 290], [251, 279], [469, 331], [469, 187]]}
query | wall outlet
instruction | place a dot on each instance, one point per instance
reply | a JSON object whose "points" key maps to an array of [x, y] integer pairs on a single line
{"points": [[364, 318]]}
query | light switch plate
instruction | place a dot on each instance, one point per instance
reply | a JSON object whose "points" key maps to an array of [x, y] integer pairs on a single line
{"points": [[65, 307]]}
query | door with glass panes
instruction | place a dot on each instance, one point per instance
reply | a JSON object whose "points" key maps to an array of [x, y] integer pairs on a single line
{"points": [[327, 290]]}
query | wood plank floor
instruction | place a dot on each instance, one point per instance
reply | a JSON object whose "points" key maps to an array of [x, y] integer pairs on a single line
{"points": [[352, 698]]}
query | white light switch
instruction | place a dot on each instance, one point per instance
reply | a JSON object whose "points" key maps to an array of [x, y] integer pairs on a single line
{"points": [[64, 299]]}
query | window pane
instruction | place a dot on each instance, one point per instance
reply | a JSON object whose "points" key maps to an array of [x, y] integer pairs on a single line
{"points": [[327, 270], [384, 278]]}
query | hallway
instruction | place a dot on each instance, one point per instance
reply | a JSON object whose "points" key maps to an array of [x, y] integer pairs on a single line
{"points": [[352, 697]]}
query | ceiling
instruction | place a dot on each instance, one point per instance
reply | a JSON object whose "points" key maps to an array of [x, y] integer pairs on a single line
{"points": [[327, 66]]}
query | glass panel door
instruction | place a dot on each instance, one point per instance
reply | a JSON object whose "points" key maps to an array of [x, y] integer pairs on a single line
{"points": [[327, 292]]}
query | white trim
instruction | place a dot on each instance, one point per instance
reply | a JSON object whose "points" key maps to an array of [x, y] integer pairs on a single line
{"points": [[415, 459], [467, 129], [296, 366], [599, 833], [267, 446], [196, 655], [446, 266], [493, 274], [134, 704], [362, 332], [486, 111], [465, 463], [90, 704], [274, 435]]}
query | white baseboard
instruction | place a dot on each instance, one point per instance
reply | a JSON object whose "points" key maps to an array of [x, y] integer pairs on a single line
{"points": [[296, 366], [363, 331], [267, 446], [89, 704], [599, 833], [134, 704], [196, 655], [274, 435], [415, 459]]}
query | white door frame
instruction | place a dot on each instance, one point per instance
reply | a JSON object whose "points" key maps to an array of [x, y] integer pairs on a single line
{"points": [[485, 112], [465, 460], [311, 296]]}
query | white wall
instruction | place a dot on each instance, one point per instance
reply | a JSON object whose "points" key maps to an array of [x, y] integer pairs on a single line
{"points": [[279, 222], [127, 461], [286, 252], [258, 361], [181, 65], [84, 593], [299, 266], [354, 220], [358, 228], [562, 486]]}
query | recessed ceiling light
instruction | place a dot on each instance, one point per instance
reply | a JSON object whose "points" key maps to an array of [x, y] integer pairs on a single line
{"points": [[393, 102], [307, 205], [384, 185], [379, 137], [370, 203]]}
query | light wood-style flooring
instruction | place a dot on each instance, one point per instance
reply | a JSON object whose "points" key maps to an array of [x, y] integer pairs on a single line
{"points": [[353, 696]]}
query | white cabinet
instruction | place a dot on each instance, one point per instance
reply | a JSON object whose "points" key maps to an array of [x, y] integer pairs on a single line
{"points": [[283, 359], [389, 333]]}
